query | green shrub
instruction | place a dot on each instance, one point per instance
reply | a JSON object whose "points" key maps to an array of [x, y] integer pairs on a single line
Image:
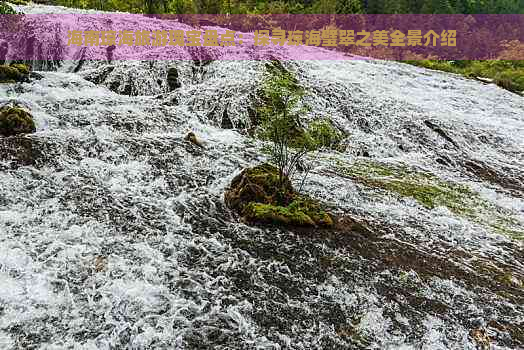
{"points": [[324, 134], [5, 9], [18, 2], [280, 113]]}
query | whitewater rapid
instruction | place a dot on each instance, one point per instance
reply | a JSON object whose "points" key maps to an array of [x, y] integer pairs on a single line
{"points": [[114, 234]]}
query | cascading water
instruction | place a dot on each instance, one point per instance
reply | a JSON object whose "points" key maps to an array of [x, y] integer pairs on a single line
{"points": [[114, 233]]}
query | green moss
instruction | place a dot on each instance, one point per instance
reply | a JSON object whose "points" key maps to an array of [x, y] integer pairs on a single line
{"points": [[426, 189], [14, 121], [431, 192], [272, 214], [325, 134], [260, 184], [429, 195], [507, 279], [312, 209], [259, 195], [301, 212], [508, 226], [14, 72], [22, 68]]}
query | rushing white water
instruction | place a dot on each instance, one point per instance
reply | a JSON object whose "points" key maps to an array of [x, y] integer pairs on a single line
{"points": [[115, 236]]}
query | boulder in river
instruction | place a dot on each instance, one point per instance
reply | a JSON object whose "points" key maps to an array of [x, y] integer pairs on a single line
{"points": [[191, 137], [15, 121], [14, 73], [259, 196]]}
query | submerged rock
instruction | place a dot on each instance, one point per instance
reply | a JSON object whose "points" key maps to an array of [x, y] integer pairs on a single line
{"points": [[226, 122], [440, 132], [259, 196], [15, 121], [131, 78], [100, 75], [172, 79], [481, 338], [17, 150]]}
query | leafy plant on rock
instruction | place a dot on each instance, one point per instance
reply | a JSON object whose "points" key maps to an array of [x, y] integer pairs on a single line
{"points": [[280, 115]]}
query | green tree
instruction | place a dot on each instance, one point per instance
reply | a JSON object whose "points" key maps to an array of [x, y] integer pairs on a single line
{"points": [[280, 121], [396, 6], [375, 6]]}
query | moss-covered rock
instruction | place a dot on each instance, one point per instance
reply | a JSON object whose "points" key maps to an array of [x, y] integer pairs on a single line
{"points": [[431, 192], [425, 188], [259, 196], [509, 280], [259, 184], [22, 68], [14, 73], [302, 211], [9, 73], [312, 209], [15, 121], [275, 214]]}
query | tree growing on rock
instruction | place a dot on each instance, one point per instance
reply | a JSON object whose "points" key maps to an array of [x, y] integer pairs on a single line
{"points": [[280, 114]]}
